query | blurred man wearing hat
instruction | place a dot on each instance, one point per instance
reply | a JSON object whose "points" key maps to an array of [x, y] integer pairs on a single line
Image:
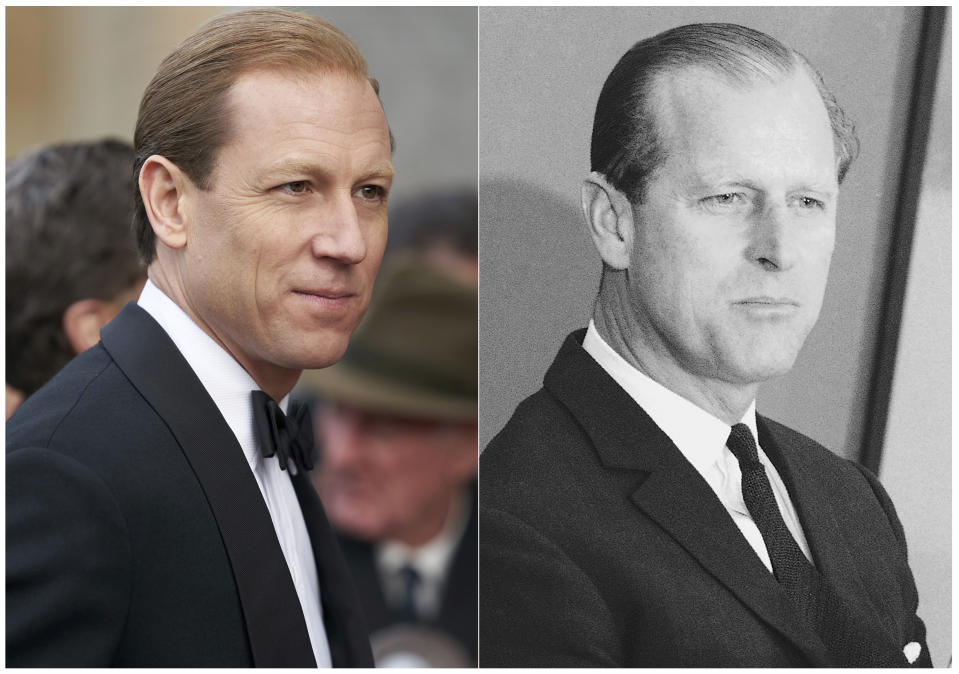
{"points": [[397, 433]]}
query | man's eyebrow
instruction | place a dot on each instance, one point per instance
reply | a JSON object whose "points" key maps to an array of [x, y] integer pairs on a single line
{"points": [[718, 181], [291, 167], [708, 180], [820, 188], [384, 170]]}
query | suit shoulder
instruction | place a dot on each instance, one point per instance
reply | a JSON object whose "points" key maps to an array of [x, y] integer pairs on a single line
{"points": [[90, 411], [538, 431], [542, 453], [40, 416]]}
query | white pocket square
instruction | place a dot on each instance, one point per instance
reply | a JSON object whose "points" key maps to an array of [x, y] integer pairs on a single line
{"points": [[912, 651]]}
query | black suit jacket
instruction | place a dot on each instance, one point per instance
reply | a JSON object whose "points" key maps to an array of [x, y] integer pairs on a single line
{"points": [[136, 533], [458, 606], [601, 545]]}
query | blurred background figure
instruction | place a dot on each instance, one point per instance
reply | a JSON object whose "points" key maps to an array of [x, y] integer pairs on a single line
{"points": [[443, 227], [71, 257], [396, 429]]}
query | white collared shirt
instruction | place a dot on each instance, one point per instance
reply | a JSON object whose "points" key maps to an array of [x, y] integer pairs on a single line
{"points": [[431, 561], [701, 438], [230, 385]]}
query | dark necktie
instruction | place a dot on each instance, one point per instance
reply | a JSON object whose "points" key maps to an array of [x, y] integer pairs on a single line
{"points": [[287, 436], [849, 637], [411, 580]]}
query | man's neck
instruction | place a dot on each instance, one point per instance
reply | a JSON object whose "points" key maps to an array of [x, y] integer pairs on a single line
{"points": [[723, 400], [275, 381]]}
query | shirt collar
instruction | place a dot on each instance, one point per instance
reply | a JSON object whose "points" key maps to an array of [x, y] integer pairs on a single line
{"points": [[432, 558], [224, 379], [699, 435]]}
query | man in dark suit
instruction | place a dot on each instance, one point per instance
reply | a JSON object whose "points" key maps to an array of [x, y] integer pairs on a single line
{"points": [[158, 507], [397, 435], [628, 516]]}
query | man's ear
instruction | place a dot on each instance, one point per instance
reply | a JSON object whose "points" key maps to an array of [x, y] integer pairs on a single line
{"points": [[609, 217], [162, 186], [82, 322]]}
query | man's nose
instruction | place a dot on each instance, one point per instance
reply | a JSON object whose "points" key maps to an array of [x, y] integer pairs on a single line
{"points": [[772, 243], [340, 235]]}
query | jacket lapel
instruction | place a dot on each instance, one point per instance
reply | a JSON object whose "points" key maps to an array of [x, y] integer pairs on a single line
{"points": [[343, 619], [831, 554], [275, 625], [671, 492]]}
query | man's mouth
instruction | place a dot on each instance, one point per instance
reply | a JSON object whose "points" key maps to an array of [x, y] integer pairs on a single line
{"points": [[766, 300], [326, 298]]}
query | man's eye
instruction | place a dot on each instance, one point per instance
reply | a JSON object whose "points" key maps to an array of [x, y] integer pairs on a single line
{"points": [[725, 200], [296, 187], [371, 192], [809, 202]]}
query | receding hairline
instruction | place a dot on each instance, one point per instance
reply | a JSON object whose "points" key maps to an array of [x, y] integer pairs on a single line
{"points": [[660, 94], [659, 89], [294, 72]]}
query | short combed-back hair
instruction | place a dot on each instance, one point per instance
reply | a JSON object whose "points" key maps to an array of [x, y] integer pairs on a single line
{"points": [[68, 238], [183, 114], [626, 144]]}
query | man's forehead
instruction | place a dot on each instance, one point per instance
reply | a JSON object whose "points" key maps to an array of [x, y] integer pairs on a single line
{"points": [[290, 115], [692, 88], [700, 99]]}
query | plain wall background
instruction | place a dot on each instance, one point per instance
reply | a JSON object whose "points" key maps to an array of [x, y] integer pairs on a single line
{"points": [[77, 73], [541, 71], [917, 463]]}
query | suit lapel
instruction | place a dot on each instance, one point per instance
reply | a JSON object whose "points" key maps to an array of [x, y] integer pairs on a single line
{"points": [[274, 621], [831, 554], [671, 492], [343, 619]]}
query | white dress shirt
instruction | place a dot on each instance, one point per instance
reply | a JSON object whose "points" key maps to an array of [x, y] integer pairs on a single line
{"points": [[230, 385], [431, 561], [701, 438]]}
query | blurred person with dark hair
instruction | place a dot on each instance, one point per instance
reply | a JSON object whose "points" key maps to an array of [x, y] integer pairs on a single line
{"points": [[71, 257], [396, 425], [443, 226], [159, 511]]}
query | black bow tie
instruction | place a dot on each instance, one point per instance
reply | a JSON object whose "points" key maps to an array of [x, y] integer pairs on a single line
{"points": [[288, 436]]}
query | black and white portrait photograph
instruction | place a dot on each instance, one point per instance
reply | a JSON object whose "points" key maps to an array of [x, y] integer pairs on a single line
{"points": [[715, 337]]}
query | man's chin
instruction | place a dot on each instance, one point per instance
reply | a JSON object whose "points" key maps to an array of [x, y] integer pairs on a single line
{"points": [[761, 368], [328, 353], [356, 527]]}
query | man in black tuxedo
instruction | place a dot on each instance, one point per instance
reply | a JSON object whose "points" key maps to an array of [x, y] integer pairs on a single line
{"points": [[628, 516], [158, 507]]}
